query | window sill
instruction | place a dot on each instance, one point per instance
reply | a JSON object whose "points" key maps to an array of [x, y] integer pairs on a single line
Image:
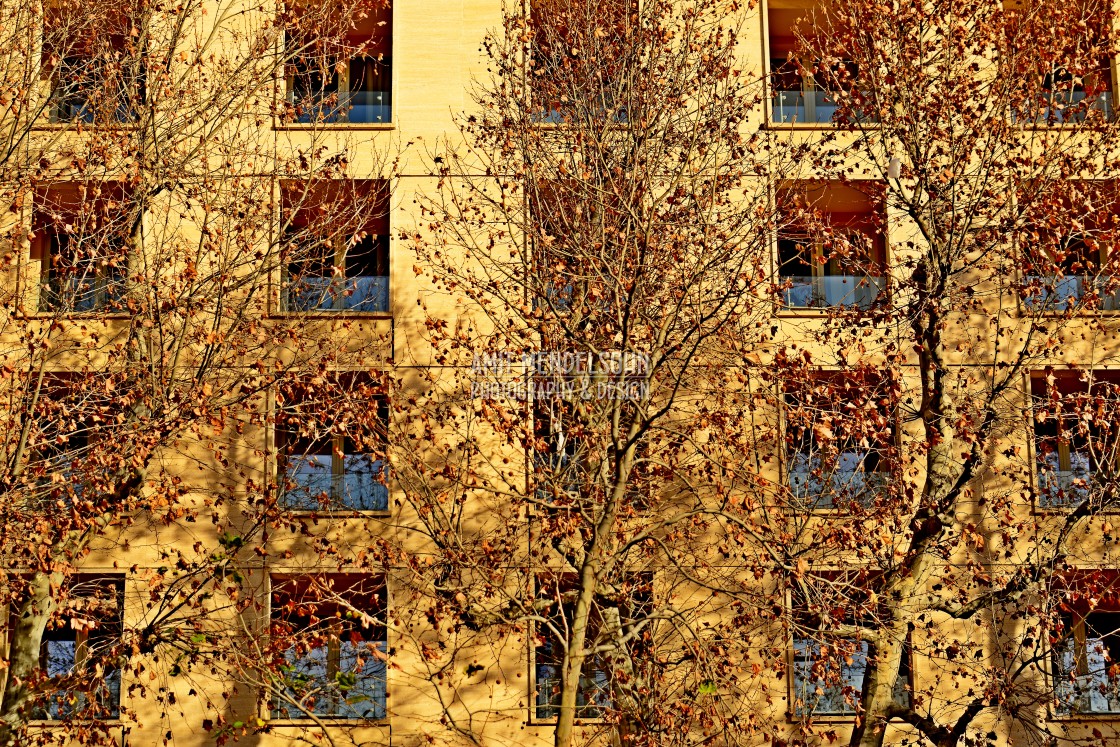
{"points": [[329, 126], [333, 721], [1039, 510], [85, 126], [819, 126], [1058, 314], [836, 718], [349, 513], [46, 723], [1067, 717], [82, 315], [824, 718], [822, 311], [339, 314], [1070, 127], [551, 722]]}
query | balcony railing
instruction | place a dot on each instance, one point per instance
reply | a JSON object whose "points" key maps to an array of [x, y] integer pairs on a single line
{"points": [[1066, 107], [805, 292], [1063, 292], [1097, 691], [846, 482], [313, 484], [802, 107], [368, 293], [807, 107]]}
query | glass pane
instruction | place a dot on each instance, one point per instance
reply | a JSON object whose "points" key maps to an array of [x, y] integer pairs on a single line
{"points": [[594, 693], [352, 687], [848, 480], [824, 109], [832, 290], [1096, 689], [1057, 293], [60, 657], [64, 703], [315, 96], [362, 488], [370, 90], [549, 658], [360, 681], [850, 290], [1058, 487], [820, 691], [788, 107], [366, 294], [311, 294], [305, 683], [369, 107], [310, 479]]}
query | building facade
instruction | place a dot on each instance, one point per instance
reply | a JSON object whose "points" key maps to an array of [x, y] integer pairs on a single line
{"points": [[410, 373]]}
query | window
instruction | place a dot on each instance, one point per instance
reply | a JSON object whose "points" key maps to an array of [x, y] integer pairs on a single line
{"points": [[332, 439], [828, 676], [617, 636], [1076, 428], [339, 466], [96, 77], [559, 461], [336, 244], [804, 94], [1069, 266], [829, 669], [80, 239], [1065, 97], [79, 652], [340, 69], [831, 248], [1073, 280], [588, 84], [1085, 661], [1069, 81], [565, 467], [835, 460], [61, 470], [329, 637]]}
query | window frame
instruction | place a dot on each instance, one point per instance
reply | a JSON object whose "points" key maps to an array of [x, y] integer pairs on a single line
{"points": [[809, 87], [870, 225], [64, 98], [105, 272], [359, 586], [334, 443], [344, 83], [110, 681], [296, 232], [572, 464], [1065, 450], [340, 88], [904, 683], [555, 113], [885, 471], [1037, 113], [539, 639]]}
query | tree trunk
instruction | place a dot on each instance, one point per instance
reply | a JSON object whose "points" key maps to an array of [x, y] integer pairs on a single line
{"points": [[25, 640], [574, 656]]}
